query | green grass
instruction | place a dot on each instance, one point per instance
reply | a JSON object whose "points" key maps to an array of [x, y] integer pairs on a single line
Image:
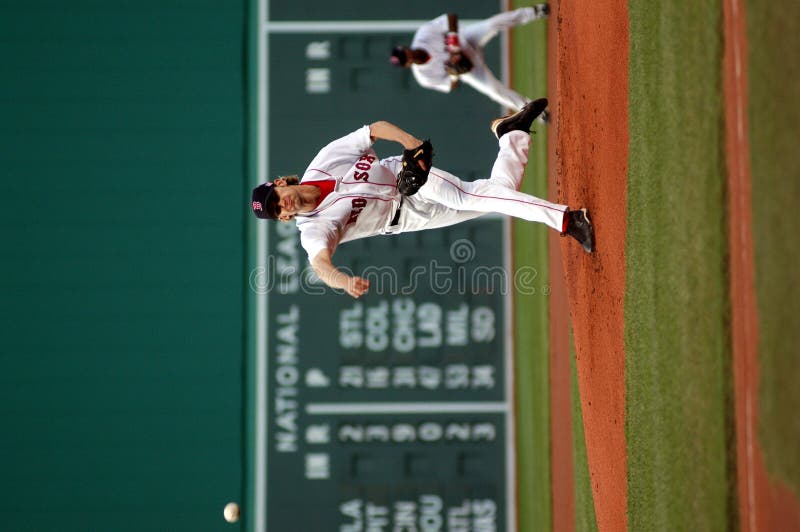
{"points": [[531, 311], [678, 375], [678, 429], [773, 32]]}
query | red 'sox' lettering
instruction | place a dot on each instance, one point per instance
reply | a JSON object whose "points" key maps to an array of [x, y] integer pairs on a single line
{"points": [[364, 163], [357, 205]]}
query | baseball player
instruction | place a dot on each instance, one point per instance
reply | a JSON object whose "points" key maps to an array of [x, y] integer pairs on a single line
{"points": [[347, 192], [442, 54]]}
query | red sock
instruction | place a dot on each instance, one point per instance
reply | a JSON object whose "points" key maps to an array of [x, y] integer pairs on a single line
{"points": [[565, 223]]}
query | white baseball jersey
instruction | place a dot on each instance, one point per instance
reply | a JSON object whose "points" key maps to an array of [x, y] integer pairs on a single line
{"points": [[365, 201], [430, 37]]}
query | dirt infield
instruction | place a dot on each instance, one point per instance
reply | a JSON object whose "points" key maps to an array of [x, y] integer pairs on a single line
{"points": [[588, 86], [588, 155], [764, 504]]}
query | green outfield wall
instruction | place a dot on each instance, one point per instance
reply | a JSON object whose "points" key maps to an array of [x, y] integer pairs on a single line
{"points": [[123, 159], [146, 379]]}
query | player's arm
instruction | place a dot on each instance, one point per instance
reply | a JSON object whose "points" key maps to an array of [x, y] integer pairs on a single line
{"points": [[333, 277], [387, 131], [344, 151], [458, 63]]}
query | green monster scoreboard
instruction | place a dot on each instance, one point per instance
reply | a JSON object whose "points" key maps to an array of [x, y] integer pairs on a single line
{"points": [[394, 411], [390, 412]]}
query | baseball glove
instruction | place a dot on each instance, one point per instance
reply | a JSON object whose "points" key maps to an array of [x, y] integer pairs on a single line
{"points": [[412, 176], [457, 64]]}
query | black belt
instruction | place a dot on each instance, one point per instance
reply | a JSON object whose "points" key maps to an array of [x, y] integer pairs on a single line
{"points": [[396, 218]]}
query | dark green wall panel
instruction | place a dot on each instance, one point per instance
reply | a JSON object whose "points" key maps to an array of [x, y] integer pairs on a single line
{"points": [[121, 345]]}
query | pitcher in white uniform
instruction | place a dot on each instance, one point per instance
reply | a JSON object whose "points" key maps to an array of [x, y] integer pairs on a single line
{"points": [[347, 192], [428, 54]]}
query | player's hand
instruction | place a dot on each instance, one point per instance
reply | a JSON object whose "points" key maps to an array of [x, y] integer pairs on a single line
{"points": [[413, 143], [457, 64], [357, 286], [416, 165]]}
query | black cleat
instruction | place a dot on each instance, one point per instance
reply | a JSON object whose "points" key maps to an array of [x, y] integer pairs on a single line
{"points": [[579, 227], [542, 10], [521, 120]]}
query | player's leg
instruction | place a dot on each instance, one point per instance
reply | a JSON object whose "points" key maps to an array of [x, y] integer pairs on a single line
{"points": [[419, 214], [498, 193], [481, 79], [482, 32]]}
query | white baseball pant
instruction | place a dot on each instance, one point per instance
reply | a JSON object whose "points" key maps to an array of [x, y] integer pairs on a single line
{"points": [[480, 77], [446, 200]]}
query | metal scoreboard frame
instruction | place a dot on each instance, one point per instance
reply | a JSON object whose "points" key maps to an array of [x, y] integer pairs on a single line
{"points": [[389, 405]]}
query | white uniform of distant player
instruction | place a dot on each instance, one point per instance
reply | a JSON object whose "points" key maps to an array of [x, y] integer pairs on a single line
{"points": [[365, 200], [430, 37]]}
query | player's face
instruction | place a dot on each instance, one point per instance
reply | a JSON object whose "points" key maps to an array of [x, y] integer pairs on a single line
{"points": [[289, 203]]}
